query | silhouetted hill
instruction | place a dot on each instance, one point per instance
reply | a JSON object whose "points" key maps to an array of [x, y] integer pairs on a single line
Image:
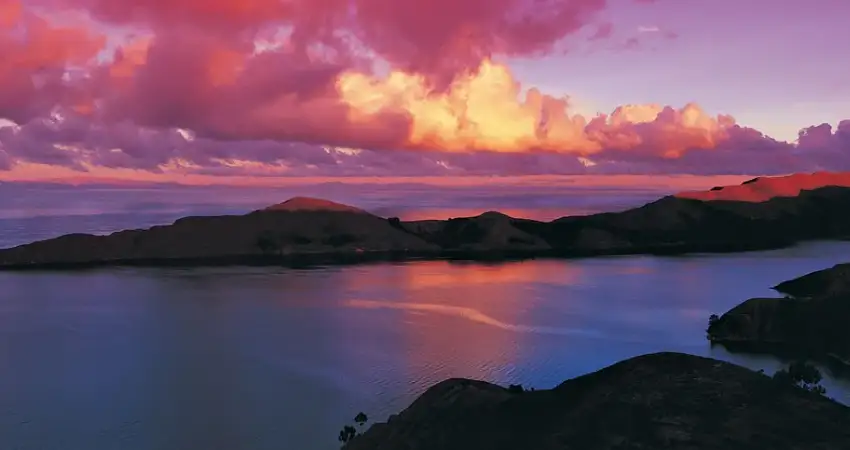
{"points": [[832, 281], [657, 401], [313, 204], [304, 230], [298, 227]]}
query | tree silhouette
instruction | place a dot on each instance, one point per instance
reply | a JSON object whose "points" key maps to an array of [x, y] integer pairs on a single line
{"points": [[712, 322], [516, 388], [803, 375], [348, 432], [361, 418]]}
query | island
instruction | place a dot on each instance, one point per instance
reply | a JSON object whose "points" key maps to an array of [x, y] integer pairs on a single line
{"points": [[809, 321], [657, 401], [314, 231]]}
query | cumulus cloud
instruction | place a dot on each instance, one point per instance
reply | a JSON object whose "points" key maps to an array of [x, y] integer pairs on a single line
{"points": [[632, 137], [276, 88]]}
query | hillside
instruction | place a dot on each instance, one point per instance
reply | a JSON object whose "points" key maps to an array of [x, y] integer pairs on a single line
{"points": [[765, 188], [658, 401]]}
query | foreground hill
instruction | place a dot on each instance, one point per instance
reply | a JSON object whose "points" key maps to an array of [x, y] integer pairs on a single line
{"points": [[304, 230], [811, 321], [657, 401]]}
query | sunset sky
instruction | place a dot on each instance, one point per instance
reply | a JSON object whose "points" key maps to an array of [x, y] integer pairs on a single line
{"points": [[269, 91]]}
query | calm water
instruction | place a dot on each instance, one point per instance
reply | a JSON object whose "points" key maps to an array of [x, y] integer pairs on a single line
{"points": [[256, 359], [280, 359]]}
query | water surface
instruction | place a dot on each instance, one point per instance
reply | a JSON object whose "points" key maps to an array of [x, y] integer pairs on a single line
{"points": [[272, 358], [257, 359]]}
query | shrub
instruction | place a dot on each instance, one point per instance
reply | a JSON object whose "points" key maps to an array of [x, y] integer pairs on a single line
{"points": [[348, 432], [712, 323], [803, 375], [361, 418]]}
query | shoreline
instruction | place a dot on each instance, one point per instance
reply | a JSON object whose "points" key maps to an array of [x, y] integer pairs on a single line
{"points": [[785, 351], [307, 232]]}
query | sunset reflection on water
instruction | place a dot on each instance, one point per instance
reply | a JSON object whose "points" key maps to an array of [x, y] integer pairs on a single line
{"points": [[244, 356], [474, 315]]}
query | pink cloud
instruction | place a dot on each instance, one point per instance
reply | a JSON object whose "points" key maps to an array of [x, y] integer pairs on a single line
{"points": [[78, 143], [438, 35], [603, 31], [36, 56], [444, 108]]}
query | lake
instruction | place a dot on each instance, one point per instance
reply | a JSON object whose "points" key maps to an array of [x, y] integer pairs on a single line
{"points": [[274, 358], [250, 358]]}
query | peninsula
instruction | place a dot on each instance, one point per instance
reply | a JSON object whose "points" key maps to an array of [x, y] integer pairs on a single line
{"points": [[810, 321], [306, 231]]}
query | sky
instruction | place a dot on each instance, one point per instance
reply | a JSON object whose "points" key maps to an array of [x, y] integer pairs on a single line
{"points": [[284, 91]]}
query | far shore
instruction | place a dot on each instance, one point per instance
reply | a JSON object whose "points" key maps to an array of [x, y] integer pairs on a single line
{"points": [[305, 260]]}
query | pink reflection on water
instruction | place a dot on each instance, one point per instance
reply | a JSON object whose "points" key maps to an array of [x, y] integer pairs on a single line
{"points": [[464, 319]]}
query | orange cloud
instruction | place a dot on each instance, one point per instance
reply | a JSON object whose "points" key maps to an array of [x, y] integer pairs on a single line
{"points": [[184, 73], [486, 109]]}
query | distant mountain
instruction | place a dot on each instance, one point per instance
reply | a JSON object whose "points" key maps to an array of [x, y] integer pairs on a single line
{"points": [[765, 188], [658, 401], [313, 204], [307, 230], [298, 227]]}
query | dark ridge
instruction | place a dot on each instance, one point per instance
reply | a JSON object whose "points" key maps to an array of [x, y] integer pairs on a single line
{"points": [[317, 230], [658, 401]]}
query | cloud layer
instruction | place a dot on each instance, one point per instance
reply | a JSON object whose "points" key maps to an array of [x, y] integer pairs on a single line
{"points": [[340, 87]]}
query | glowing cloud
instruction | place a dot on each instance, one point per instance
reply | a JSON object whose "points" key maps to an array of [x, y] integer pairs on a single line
{"points": [[267, 87]]}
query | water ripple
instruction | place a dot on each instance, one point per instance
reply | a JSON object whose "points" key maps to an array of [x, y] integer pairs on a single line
{"points": [[473, 315]]}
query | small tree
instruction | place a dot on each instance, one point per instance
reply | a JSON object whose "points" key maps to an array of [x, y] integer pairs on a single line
{"points": [[347, 434], [361, 418], [803, 375], [712, 322], [516, 388]]}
